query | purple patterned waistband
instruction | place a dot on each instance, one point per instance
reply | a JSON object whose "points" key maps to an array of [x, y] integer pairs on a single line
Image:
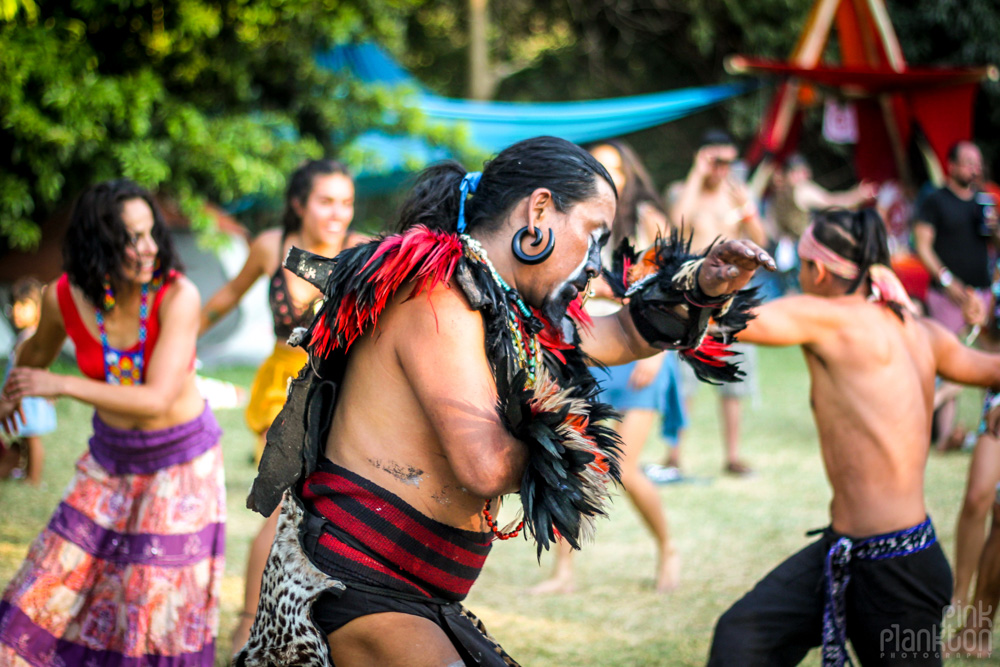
{"points": [[133, 452], [837, 573]]}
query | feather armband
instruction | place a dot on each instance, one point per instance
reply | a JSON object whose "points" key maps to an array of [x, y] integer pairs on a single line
{"points": [[670, 310]]}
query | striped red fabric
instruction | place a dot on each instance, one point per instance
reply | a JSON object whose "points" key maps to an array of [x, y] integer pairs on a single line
{"points": [[375, 537]]}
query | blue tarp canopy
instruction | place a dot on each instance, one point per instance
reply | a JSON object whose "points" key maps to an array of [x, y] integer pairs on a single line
{"points": [[491, 126]]}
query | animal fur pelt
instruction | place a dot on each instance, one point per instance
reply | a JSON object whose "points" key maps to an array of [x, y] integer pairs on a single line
{"points": [[285, 609]]}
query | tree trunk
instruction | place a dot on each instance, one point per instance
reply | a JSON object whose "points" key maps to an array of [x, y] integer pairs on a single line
{"points": [[481, 75]]}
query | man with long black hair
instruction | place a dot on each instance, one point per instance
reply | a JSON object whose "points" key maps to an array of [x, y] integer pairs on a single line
{"points": [[446, 370], [876, 575]]}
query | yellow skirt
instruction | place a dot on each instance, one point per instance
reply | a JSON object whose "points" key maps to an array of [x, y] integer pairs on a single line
{"points": [[270, 387]]}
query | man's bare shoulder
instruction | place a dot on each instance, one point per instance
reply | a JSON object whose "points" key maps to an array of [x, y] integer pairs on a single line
{"points": [[827, 309], [936, 334], [440, 315]]}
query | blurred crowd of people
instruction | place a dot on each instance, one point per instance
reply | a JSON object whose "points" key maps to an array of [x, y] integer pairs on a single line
{"points": [[125, 298]]}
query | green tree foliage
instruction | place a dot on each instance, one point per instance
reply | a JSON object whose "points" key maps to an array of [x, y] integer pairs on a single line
{"points": [[200, 99], [941, 32], [10, 8], [586, 49]]}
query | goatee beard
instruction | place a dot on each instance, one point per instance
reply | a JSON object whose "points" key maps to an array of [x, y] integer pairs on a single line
{"points": [[554, 308]]}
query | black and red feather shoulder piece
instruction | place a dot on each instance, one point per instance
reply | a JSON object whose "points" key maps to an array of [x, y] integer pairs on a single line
{"points": [[573, 450], [361, 280], [669, 312]]}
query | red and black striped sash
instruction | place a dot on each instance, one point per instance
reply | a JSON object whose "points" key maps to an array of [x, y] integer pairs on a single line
{"points": [[375, 537]]}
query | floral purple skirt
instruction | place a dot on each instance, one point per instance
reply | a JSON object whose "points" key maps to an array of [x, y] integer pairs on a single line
{"points": [[129, 569]]}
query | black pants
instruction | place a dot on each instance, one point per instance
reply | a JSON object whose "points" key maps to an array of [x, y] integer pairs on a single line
{"points": [[894, 611]]}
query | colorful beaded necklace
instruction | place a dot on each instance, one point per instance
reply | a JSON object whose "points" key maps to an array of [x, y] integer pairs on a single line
{"points": [[525, 343], [120, 366]]}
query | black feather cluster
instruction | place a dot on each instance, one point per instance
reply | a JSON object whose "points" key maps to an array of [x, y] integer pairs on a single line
{"points": [[573, 450], [665, 316], [563, 489]]}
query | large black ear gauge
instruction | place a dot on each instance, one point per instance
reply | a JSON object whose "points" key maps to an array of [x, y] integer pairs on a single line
{"points": [[525, 258]]}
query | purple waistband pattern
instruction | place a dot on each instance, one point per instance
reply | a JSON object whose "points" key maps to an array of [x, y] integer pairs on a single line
{"points": [[132, 452], [39, 647], [137, 548]]}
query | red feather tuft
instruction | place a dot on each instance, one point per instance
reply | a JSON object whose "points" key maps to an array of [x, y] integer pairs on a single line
{"points": [[579, 315], [422, 255], [550, 339], [320, 341], [711, 351]]}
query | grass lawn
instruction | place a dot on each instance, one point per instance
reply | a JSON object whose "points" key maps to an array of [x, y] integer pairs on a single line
{"points": [[729, 532]]}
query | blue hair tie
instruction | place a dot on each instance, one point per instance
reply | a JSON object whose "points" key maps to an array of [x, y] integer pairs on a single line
{"points": [[469, 185]]}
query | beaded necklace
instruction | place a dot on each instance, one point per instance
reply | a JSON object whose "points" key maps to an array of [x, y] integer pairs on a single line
{"points": [[525, 343], [120, 366], [525, 346]]}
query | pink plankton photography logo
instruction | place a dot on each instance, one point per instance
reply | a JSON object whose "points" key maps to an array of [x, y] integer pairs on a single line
{"points": [[968, 633]]}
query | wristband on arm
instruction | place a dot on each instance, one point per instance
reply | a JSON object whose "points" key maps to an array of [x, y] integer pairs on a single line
{"points": [[671, 311]]}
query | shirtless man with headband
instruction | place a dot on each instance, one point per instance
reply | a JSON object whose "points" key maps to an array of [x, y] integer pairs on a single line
{"points": [[877, 574]]}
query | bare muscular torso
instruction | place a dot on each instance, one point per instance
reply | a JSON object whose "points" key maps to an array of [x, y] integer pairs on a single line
{"points": [[417, 404], [872, 397], [712, 213]]}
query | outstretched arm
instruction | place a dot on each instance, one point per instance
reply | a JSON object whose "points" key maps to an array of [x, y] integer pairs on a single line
{"points": [[615, 340], [811, 197], [263, 251], [959, 363], [750, 222], [792, 320]]}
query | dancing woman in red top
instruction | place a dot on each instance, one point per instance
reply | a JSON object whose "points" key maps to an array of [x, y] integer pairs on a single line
{"points": [[129, 567]]}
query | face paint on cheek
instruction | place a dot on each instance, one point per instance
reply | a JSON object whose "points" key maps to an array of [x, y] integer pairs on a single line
{"points": [[597, 242], [555, 304]]}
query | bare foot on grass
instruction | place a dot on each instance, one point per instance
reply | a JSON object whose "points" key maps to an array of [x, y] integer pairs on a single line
{"points": [[557, 585], [668, 575]]}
